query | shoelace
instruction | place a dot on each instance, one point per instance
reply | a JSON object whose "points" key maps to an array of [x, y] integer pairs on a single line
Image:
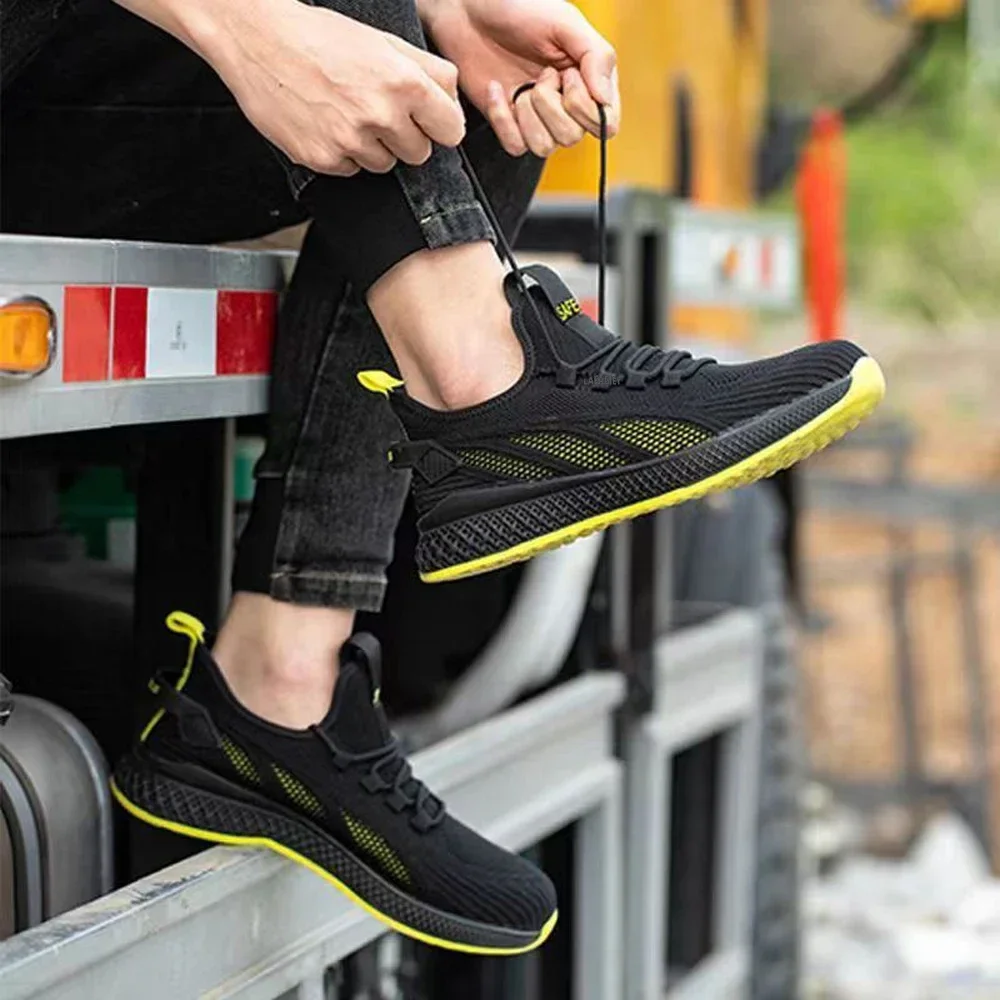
{"points": [[671, 366], [503, 244], [390, 772]]}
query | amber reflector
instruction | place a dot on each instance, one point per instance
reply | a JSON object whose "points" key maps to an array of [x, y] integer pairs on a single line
{"points": [[25, 337]]}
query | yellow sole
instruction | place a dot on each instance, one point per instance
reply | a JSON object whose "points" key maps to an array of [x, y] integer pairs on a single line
{"points": [[866, 390], [287, 852]]}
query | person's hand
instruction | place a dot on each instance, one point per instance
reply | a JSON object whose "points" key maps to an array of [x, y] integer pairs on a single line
{"points": [[498, 45], [335, 95]]}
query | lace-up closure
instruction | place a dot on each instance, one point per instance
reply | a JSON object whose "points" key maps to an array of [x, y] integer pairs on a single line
{"points": [[392, 773], [620, 357], [389, 773]]}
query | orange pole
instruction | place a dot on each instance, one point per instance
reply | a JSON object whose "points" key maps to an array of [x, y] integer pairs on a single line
{"points": [[821, 190]]}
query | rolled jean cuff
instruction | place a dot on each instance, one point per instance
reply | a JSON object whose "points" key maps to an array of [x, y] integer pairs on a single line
{"points": [[315, 570], [462, 223], [356, 587]]}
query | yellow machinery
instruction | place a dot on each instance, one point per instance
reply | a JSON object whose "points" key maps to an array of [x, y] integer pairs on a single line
{"points": [[714, 51], [694, 88]]}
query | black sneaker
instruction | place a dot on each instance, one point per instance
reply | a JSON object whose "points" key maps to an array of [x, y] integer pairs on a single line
{"points": [[338, 798], [598, 430]]}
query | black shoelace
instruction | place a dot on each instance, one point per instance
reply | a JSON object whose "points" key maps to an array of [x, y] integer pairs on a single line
{"points": [[670, 366], [642, 364], [503, 244], [389, 774]]}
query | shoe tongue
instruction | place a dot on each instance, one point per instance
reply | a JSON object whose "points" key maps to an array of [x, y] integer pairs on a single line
{"points": [[357, 721], [569, 334]]}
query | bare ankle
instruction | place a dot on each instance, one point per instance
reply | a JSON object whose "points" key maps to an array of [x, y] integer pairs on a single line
{"points": [[447, 322], [280, 660]]}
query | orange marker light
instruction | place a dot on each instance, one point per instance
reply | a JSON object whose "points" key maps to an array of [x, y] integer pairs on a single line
{"points": [[27, 337]]}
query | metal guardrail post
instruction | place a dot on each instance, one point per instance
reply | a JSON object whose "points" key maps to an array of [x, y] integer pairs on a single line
{"points": [[637, 560], [707, 682], [184, 544]]}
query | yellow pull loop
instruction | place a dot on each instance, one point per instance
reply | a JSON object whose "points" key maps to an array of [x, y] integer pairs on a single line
{"points": [[376, 381], [184, 624]]}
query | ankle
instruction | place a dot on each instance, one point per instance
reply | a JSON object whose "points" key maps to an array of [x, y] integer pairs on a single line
{"points": [[448, 324], [280, 661], [487, 368]]}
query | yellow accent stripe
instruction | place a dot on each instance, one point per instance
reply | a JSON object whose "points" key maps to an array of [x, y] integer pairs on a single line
{"points": [[183, 624], [287, 852], [866, 390]]}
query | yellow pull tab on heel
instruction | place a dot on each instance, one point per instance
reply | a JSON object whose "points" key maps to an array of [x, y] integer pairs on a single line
{"points": [[376, 381], [183, 624]]}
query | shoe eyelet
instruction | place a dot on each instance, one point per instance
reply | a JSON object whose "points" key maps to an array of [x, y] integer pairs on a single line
{"points": [[397, 802], [373, 784], [420, 823]]}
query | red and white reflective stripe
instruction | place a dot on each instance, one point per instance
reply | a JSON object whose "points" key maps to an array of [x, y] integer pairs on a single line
{"points": [[128, 332]]}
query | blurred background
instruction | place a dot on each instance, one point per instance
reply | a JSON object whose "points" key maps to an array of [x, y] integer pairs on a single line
{"points": [[876, 125], [897, 627], [898, 631]]}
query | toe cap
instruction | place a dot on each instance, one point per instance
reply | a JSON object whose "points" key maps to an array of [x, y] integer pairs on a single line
{"points": [[734, 393], [477, 880]]}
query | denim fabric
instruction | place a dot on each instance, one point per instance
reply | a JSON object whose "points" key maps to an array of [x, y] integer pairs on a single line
{"points": [[170, 157], [439, 194], [328, 442]]}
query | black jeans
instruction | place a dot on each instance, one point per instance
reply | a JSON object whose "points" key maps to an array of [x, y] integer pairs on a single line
{"points": [[112, 129]]}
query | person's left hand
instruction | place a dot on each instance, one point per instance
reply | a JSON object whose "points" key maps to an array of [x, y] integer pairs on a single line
{"points": [[498, 45]]}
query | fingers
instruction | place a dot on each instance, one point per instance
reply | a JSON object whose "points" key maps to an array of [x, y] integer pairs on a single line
{"points": [[320, 160], [614, 109], [439, 117], [504, 124], [432, 97], [441, 71], [582, 108], [579, 105], [373, 155], [547, 101], [407, 141], [536, 136], [545, 117], [347, 168], [597, 68], [590, 51]]}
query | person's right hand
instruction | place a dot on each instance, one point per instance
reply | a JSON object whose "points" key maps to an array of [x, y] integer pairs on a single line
{"points": [[335, 95]]}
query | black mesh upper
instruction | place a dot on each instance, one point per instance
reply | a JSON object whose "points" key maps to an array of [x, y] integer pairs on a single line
{"points": [[540, 429], [449, 866]]}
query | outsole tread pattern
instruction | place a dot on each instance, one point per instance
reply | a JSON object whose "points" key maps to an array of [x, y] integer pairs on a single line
{"points": [[161, 801]]}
